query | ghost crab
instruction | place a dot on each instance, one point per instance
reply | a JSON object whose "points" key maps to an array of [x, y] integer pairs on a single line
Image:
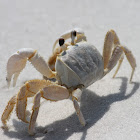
{"points": [[75, 65]]}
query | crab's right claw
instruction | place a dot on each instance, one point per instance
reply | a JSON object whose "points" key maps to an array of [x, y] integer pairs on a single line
{"points": [[14, 66], [67, 35]]}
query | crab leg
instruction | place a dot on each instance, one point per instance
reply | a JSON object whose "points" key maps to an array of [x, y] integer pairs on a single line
{"points": [[76, 95], [131, 59], [8, 110], [28, 90], [53, 93], [17, 62], [111, 39], [114, 59], [116, 55], [110, 59], [119, 65]]}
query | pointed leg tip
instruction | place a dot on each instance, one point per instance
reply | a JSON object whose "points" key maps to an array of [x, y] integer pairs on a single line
{"points": [[23, 119], [113, 76], [31, 133], [4, 127], [84, 124]]}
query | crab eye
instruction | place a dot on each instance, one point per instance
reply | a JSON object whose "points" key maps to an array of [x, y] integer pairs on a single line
{"points": [[73, 33], [61, 41]]}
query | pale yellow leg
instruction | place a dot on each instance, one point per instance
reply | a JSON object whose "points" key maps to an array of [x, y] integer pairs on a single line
{"points": [[131, 59], [8, 110], [79, 113], [53, 93], [119, 65], [34, 114], [28, 90], [111, 40], [116, 55], [117, 52], [110, 58], [76, 96]]}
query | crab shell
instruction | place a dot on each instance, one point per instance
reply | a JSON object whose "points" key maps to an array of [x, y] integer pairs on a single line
{"points": [[81, 64]]}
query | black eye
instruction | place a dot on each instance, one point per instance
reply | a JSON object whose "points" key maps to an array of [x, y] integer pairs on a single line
{"points": [[73, 33], [61, 41]]}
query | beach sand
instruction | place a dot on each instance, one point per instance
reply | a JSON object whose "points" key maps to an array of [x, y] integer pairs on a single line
{"points": [[110, 106]]}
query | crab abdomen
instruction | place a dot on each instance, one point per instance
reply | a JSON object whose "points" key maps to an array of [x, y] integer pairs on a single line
{"points": [[80, 64]]}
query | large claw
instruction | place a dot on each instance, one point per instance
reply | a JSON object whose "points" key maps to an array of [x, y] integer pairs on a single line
{"points": [[15, 65], [17, 62], [67, 35]]}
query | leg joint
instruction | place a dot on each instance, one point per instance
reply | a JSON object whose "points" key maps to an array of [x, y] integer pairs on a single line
{"points": [[32, 54]]}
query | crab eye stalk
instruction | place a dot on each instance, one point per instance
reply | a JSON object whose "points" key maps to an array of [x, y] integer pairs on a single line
{"points": [[73, 36], [73, 33], [61, 41]]}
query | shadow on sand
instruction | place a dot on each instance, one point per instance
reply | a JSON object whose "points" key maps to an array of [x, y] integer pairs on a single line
{"points": [[93, 106]]}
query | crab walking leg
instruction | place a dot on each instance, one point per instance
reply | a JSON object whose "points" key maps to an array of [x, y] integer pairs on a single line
{"points": [[79, 113], [117, 52], [116, 55], [111, 40], [53, 93], [8, 110], [119, 65], [17, 62], [34, 114], [76, 95], [131, 59], [28, 90]]}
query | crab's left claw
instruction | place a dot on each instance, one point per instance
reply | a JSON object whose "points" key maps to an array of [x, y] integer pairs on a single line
{"points": [[79, 33]]}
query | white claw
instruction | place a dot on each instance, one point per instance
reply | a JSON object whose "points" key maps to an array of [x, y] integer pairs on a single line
{"points": [[15, 78], [16, 64], [67, 35]]}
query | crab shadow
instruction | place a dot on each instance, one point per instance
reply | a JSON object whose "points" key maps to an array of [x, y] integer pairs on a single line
{"points": [[93, 107]]}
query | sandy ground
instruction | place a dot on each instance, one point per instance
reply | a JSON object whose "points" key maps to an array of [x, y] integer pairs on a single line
{"points": [[110, 106]]}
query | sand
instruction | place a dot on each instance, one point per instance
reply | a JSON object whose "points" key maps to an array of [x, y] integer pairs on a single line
{"points": [[110, 106]]}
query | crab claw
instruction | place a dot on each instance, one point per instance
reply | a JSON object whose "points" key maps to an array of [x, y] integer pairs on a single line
{"points": [[16, 64], [68, 34]]}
